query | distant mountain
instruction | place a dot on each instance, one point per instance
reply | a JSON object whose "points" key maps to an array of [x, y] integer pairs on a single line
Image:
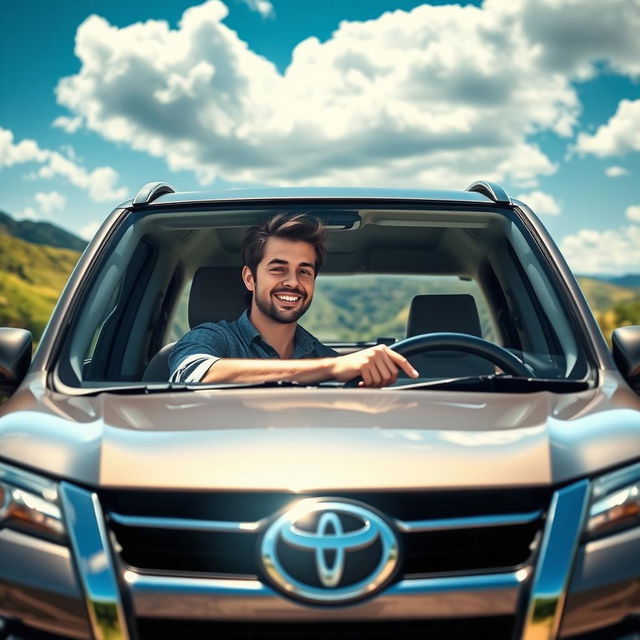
{"points": [[630, 280], [40, 233]]}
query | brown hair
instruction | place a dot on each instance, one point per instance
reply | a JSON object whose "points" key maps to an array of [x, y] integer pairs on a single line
{"points": [[298, 227]]}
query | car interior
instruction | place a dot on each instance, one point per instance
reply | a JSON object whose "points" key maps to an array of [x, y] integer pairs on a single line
{"points": [[390, 274]]}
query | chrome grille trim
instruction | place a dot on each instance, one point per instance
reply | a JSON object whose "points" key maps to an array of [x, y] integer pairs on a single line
{"points": [[147, 583], [413, 526], [94, 563], [565, 523], [221, 599], [454, 583], [472, 522], [187, 524]]}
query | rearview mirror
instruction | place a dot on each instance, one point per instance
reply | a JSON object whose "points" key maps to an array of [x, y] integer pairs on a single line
{"points": [[626, 353], [15, 356]]}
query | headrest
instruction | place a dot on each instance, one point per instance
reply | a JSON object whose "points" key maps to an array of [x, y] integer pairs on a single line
{"points": [[443, 312], [217, 293]]}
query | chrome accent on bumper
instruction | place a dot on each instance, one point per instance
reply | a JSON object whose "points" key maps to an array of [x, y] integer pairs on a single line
{"points": [[85, 525], [218, 599], [565, 522]]}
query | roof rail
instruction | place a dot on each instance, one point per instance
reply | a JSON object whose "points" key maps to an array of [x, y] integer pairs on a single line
{"points": [[151, 191], [491, 190]]}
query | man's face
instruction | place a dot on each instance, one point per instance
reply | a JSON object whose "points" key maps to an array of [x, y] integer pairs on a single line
{"points": [[284, 280]]}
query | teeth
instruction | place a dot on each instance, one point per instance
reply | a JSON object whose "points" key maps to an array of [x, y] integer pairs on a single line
{"points": [[288, 298]]}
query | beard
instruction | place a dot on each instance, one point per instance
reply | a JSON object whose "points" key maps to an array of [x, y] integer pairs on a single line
{"points": [[267, 306]]}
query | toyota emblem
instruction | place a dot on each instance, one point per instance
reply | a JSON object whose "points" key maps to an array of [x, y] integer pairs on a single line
{"points": [[329, 551]]}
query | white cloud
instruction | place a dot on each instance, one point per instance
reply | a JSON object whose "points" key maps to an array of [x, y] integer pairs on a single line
{"points": [[88, 231], [24, 151], [70, 125], [574, 37], [50, 201], [28, 213], [263, 7], [616, 172], [621, 135], [633, 214], [389, 101], [613, 252], [541, 203], [393, 101], [101, 183]]}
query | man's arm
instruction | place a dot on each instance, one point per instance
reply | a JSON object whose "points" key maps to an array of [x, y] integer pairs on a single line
{"points": [[378, 366]]}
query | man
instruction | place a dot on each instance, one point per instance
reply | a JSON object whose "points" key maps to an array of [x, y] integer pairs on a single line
{"points": [[281, 259]]}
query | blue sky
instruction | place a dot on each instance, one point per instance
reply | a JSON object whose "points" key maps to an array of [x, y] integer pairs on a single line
{"points": [[541, 96]]}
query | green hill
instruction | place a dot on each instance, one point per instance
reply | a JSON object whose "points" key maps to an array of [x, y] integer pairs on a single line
{"points": [[31, 279], [603, 295], [612, 304], [368, 307]]}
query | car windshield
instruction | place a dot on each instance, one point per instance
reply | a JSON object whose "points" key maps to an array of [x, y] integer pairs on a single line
{"points": [[391, 273]]}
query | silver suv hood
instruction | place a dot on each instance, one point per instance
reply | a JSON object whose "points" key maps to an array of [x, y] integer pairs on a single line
{"points": [[320, 439]]}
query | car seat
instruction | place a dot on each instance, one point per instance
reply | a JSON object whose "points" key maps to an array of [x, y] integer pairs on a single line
{"points": [[435, 313], [216, 294]]}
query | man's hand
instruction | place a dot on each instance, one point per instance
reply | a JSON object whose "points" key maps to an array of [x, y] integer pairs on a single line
{"points": [[377, 366]]}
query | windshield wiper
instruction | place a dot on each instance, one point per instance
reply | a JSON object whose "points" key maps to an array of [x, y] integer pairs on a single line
{"points": [[170, 387], [494, 382], [503, 383]]}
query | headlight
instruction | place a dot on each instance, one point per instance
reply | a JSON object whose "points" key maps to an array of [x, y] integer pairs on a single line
{"points": [[29, 503], [615, 502]]}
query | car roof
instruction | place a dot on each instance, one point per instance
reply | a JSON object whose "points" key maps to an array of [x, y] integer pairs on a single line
{"points": [[158, 193]]}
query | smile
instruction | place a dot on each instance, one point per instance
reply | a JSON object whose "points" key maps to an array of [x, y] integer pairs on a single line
{"points": [[287, 298]]}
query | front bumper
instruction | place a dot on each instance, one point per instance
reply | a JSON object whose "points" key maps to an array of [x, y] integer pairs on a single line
{"points": [[569, 590]]}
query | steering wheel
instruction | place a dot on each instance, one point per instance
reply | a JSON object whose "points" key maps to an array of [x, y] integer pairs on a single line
{"points": [[458, 342]]}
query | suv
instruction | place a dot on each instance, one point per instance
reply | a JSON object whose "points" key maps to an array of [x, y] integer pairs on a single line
{"points": [[496, 496]]}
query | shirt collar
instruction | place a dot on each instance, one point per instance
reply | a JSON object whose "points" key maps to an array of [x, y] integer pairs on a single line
{"points": [[304, 341], [249, 332]]}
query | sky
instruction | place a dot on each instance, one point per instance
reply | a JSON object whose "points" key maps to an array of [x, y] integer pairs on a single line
{"points": [[540, 96]]}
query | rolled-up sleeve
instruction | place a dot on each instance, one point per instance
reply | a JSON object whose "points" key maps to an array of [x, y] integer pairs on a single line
{"points": [[196, 352]]}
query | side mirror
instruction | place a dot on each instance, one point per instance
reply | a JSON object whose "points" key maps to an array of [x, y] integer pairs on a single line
{"points": [[15, 356], [626, 353]]}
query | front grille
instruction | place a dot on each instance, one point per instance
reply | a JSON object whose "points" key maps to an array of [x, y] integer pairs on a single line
{"points": [[496, 628], [235, 554]]}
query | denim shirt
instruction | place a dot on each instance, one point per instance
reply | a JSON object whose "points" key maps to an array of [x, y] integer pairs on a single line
{"points": [[197, 350]]}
